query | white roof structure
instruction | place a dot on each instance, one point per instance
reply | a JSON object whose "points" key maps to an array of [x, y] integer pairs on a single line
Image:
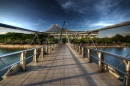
{"points": [[55, 29]]}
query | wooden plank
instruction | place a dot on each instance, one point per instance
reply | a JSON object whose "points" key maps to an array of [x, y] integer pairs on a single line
{"points": [[62, 68]]}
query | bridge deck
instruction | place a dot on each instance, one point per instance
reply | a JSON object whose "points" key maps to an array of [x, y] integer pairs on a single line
{"points": [[62, 68]]}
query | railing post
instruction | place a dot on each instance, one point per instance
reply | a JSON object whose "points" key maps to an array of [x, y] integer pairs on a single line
{"points": [[79, 49], [89, 56], [42, 52], [52, 47], [100, 63], [83, 52], [75, 47], [57, 45], [46, 49], [35, 55], [72, 46], [23, 61], [127, 69]]}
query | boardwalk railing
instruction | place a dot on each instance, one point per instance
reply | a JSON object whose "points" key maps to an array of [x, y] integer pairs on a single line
{"points": [[37, 52], [106, 66]]}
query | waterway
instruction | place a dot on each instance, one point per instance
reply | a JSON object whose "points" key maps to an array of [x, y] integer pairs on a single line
{"points": [[8, 60], [109, 59], [114, 61]]}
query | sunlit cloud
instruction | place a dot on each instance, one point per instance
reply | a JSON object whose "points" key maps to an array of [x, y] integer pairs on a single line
{"points": [[100, 24], [109, 35], [7, 20], [3, 32]]}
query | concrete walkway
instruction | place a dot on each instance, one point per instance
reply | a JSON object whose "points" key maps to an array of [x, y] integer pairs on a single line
{"points": [[64, 67]]}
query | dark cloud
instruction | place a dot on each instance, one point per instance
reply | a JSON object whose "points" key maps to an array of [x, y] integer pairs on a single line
{"points": [[78, 14]]}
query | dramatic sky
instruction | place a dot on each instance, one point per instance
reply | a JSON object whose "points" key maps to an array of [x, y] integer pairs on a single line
{"points": [[79, 14]]}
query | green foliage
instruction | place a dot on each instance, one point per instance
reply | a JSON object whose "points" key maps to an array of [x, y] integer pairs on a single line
{"points": [[20, 38], [76, 40], [127, 38], [117, 39], [83, 40], [64, 40]]}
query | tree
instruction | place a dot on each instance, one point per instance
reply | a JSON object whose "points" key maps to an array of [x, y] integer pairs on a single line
{"points": [[127, 38], [64, 40], [118, 38], [83, 40]]}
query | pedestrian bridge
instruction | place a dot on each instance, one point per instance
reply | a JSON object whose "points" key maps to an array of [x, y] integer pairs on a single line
{"points": [[62, 67]]}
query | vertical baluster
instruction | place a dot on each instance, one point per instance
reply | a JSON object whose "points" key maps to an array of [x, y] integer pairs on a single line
{"points": [[50, 48], [42, 52], [100, 63], [127, 69], [46, 49], [79, 49], [89, 57], [23, 61], [83, 52], [35, 56]]}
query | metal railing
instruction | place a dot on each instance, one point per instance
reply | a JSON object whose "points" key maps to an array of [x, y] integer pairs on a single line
{"points": [[37, 52], [106, 66]]}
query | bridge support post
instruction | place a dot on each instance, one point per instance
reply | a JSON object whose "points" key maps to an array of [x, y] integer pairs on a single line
{"points": [[127, 69], [89, 57], [100, 63], [23, 61], [35, 55], [83, 52]]}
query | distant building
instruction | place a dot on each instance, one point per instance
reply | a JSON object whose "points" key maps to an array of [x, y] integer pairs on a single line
{"points": [[55, 31]]}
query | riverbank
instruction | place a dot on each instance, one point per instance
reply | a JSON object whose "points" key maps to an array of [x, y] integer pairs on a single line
{"points": [[104, 46], [18, 46], [37, 45]]}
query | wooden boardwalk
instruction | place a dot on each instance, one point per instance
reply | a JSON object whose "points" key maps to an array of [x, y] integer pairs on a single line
{"points": [[63, 67]]}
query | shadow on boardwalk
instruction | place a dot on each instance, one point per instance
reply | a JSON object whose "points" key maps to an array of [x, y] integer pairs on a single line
{"points": [[62, 68]]}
